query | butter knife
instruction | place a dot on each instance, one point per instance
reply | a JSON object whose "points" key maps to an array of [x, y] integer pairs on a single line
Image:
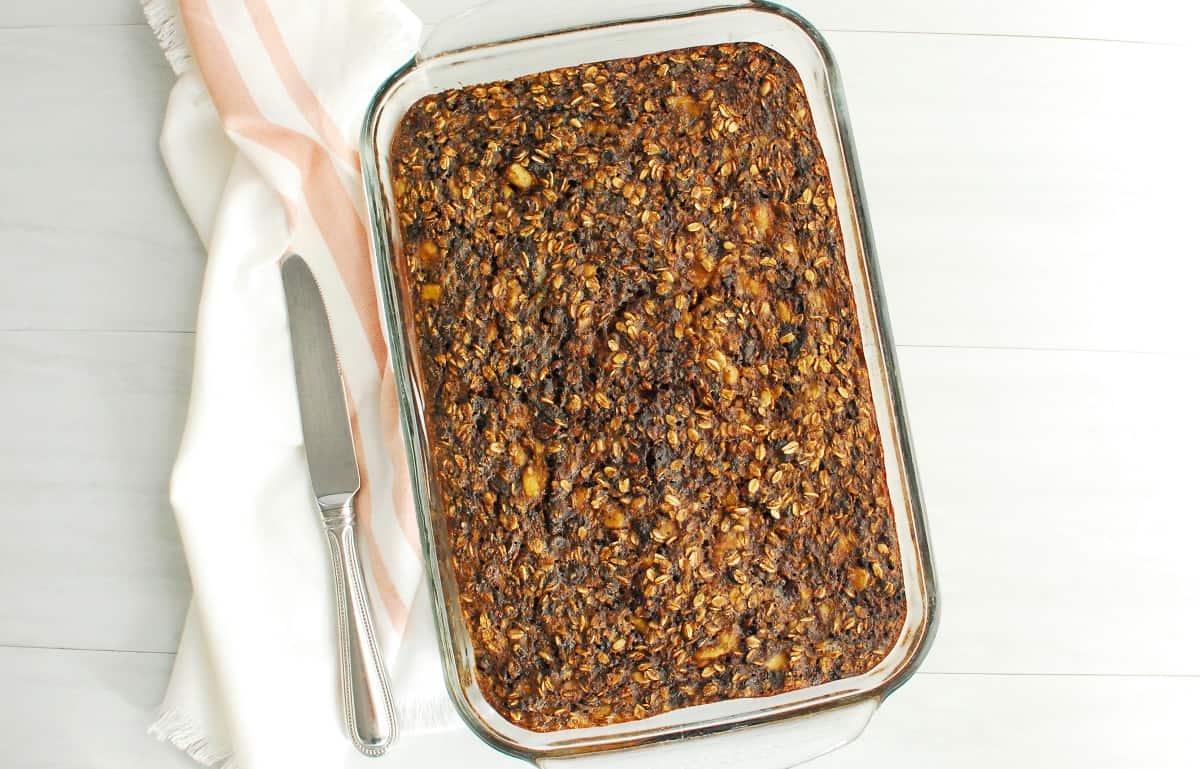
{"points": [[366, 696]]}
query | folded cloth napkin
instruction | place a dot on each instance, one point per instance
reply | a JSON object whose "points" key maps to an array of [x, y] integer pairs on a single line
{"points": [[259, 138]]}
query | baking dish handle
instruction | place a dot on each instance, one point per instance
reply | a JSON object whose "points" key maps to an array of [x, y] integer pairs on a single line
{"points": [[778, 745], [499, 20]]}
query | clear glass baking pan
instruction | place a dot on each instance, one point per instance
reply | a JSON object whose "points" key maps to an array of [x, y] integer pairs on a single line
{"points": [[507, 39]]}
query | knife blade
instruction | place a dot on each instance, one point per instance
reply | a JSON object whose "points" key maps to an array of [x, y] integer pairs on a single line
{"points": [[324, 417], [367, 707]]}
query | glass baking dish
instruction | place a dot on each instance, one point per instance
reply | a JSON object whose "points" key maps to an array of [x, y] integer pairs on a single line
{"points": [[507, 39]]}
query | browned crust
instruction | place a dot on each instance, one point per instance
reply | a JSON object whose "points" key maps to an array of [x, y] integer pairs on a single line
{"points": [[651, 415]]}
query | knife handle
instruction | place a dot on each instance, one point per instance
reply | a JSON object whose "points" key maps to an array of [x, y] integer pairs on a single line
{"points": [[366, 695]]}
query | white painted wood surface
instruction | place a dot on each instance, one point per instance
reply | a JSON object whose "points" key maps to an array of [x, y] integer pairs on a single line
{"points": [[1031, 196], [68, 13], [91, 234], [91, 420], [69, 708]]}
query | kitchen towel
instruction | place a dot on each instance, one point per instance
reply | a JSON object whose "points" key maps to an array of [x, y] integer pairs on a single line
{"points": [[260, 140]]}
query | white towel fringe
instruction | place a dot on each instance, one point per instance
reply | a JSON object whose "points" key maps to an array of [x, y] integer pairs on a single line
{"points": [[435, 716], [174, 727], [164, 21]]}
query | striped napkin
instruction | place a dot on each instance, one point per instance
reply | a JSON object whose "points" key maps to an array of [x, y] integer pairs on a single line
{"points": [[260, 140]]}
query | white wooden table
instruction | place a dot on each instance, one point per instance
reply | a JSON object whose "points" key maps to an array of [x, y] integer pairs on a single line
{"points": [[1032, 175]]}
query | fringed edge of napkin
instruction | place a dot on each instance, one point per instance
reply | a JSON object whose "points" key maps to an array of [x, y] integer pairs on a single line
{"points": [[164, 21], [173, 727], [422, 717]]}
